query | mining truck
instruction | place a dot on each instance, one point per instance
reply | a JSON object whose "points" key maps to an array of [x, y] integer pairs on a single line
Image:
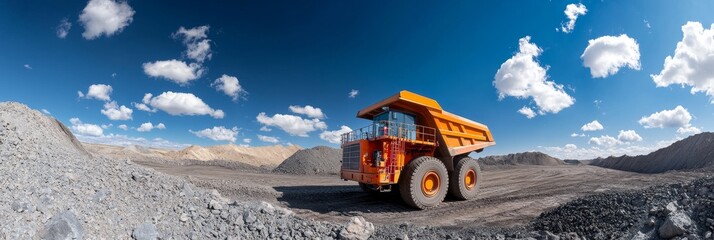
{"points": [[415, 147]]}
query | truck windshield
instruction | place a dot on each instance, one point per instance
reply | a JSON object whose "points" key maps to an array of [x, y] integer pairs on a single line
{"points": [[395, 123]]}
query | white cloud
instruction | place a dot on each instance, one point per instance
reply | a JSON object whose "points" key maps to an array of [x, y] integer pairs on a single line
{"points": [[218, 133], [123, 140], [335, 136], [27, 66], [309, 111], [293, 125], [105, 17], [192, 34], [577, 135], [607, 54], [247, 140], [647, 23], [115, 112], [114, 75], [123, 127], [174, 70], [353, 93], [198, 47], [592, 126], [572, 11], [265, 129], [570, 146], [63, 28], [268, 139], [604, 141], [107, 126], [677, 117], [230, 86], [528, 112], [80, 94], [178, 104], [81, 128], [522, 77], [148, 126], [143, 106], [98, 91], [594, 152], [629, 136], [45, 111], [688, 130], [692, 62]]}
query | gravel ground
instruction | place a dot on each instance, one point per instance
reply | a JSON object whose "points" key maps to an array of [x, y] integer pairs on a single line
{"points": [[319, 160]]}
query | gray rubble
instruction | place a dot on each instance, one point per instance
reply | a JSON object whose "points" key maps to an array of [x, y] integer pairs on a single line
{"points": [[320, 160]]}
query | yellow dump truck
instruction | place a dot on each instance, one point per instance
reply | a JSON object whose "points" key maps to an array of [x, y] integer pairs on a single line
{"points": [[416, 147]]}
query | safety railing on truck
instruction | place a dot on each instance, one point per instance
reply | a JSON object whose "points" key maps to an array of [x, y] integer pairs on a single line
{"points": [[404, 131]]}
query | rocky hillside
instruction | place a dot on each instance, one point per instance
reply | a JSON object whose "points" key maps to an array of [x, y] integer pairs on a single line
{"points": [[525, 158], [694, 152], [53, 189], [317, 160]]}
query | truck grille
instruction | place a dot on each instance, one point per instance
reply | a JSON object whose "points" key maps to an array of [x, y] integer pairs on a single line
{"points": [[351, 157]]}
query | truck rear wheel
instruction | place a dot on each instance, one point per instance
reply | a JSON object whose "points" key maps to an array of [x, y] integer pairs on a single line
{"points": [[424, 182], [465, 179]]}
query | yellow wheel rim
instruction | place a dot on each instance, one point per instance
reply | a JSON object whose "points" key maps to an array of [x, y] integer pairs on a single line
{"points": [[430, 183], [470, 179]]}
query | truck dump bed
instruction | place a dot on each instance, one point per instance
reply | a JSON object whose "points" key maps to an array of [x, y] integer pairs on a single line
{"points": [[456, 135]]}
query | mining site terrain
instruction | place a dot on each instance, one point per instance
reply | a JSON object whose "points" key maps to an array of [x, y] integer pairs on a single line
{"points": [[54, 187]]}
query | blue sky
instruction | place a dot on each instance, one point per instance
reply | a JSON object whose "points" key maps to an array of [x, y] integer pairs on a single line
{"points": [[296, 54]]}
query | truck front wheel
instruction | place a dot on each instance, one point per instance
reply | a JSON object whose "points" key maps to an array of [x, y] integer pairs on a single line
{"points": [[424, 182], [465, 179]]}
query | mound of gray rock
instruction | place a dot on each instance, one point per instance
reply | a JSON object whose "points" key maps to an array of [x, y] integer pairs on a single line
{"points": [[320, 160], [52, 189], [661, 212], [524, 158]]}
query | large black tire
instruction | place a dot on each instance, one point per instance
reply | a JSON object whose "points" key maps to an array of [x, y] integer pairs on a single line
{"points": [[462, 187], [418, 171]]}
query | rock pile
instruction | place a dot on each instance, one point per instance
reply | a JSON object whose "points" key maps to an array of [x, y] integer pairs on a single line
{"points": [[525, 158], [51, 188], [694, 152], [317, 160], [665, 212]]}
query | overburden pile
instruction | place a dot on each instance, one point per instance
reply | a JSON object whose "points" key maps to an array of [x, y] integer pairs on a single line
{"points": [[320, 160], [525, 158], [53, 189], [694, 152]]}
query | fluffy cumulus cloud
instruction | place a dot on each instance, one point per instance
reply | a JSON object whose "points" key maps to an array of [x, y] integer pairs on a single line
{"points": [[522, 77], [353, 93], [63, 28], [628, 136], [606, 55], [528, 112], [178, 104], [174, 70], [592, 126], [577, 135], [105, 17], [572, 12], [115, 112], [218, 133], [97, 91], [692, 62], [307, 110], [677, 117], [198, 47], [265, 129], [604, 141], [123, 127], [148, 126], [291, 124], [87, 129], [688, 130], [335, 136], [247, 140], [268, 139], [230, 86]]}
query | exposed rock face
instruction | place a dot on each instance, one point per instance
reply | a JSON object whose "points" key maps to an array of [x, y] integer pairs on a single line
{"points": [[317, 160], [526, 158], [694, 152], [357, 229]]}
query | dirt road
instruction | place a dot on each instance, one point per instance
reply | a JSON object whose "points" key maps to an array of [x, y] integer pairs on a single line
{"points": [[507, 197]]}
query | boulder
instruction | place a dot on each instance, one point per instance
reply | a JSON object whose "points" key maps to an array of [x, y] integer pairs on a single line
{"points": [[357, 229], [63, 226], [676, 224], [145, 231]]}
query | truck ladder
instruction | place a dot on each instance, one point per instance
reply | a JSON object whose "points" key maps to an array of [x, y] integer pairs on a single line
{"points": [[396, 147]]}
